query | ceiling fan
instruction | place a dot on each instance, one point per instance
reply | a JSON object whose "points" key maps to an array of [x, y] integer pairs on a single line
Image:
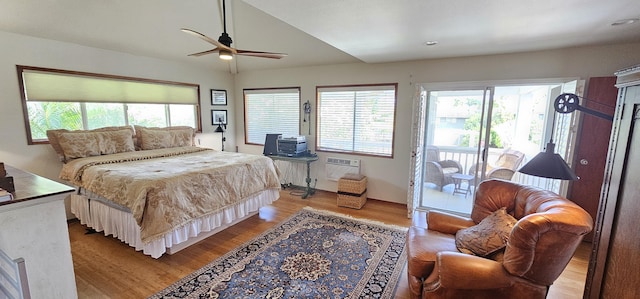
{"points": [[223, 44]]}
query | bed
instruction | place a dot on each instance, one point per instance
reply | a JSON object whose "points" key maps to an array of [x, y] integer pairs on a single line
{"points": [[154, 190]]}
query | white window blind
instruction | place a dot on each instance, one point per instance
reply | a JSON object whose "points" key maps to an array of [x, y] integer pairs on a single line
{"points": [[271, 111], [62, 99], [52, 86], [358, 119]]}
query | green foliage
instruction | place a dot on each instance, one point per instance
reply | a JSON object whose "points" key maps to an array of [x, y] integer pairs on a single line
{"points": [[105, 115], [45, 116], [472, 124]]}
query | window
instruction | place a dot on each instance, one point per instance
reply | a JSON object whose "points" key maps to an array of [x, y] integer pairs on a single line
{"points": [[59, 99], [357, 119], [271, 111]]}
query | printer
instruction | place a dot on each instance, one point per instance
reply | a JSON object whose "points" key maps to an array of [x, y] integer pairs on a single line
{"points": [[294, 146]]}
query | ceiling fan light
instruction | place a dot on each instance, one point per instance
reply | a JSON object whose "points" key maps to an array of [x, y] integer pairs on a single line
{"points": [[225, 55]]}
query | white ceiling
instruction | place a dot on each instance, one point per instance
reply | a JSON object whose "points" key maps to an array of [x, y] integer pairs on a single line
{"points": [[316, 32]]}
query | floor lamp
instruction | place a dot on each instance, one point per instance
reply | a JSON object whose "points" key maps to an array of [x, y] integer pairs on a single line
{"points": [[548, 164], [220, 129]]}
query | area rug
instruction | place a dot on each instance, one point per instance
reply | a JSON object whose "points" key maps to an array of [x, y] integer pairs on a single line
{"points": [[313, 254]]}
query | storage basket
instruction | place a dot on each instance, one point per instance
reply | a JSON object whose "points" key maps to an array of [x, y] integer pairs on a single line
{"points": [[352, 201], [352, 191], [352, 183]]}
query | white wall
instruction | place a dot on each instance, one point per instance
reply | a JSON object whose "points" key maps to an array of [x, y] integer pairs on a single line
{"points": [[25, 50], [388, 177]]}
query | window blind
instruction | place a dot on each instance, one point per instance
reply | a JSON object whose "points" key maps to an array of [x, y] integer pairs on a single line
{"points": [[53, 86], [357, 119], [271, 111]]}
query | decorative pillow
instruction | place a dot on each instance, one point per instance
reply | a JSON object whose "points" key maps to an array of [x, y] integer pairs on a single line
{"points": [[179, 135], [154, 139], [54, 138], [80, 144], [53, 135], [488, 236], [113, 142], [182, 137]]}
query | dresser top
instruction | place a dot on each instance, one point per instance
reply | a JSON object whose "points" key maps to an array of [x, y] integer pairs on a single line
{"points": [[30, 186]]}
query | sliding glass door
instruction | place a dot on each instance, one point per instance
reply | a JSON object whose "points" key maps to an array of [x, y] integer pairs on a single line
{"points": [[454, 145], [473, 134]]}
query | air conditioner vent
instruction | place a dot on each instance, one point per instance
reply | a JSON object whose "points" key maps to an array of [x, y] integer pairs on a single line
{"points": [[338, 167]]}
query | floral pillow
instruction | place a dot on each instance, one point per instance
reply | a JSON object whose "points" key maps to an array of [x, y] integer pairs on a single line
{"points": [[164, 137], [80, 144], [116, 142], [154, 139], [488, 236]]}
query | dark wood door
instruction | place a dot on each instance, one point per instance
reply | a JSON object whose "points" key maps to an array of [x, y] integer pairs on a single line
{"points": [[592, 143], [621, 277], [614, 264]]}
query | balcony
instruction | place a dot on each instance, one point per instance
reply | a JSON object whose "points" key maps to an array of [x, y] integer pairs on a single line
{"points": [[462, 202]]}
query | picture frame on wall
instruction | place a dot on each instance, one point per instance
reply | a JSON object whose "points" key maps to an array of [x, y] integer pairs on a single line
{"points": [[218, 117], [218, 97]]}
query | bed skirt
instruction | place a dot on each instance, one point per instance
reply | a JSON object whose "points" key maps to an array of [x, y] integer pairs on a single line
{"points": [[104, 216]]}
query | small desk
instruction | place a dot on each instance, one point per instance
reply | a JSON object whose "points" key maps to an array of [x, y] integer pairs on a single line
{"points": [[458, 178], [305, 159]]}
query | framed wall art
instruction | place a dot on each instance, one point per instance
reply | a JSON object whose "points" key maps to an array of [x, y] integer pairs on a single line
{"points": [[218, 97], [218, 117]]}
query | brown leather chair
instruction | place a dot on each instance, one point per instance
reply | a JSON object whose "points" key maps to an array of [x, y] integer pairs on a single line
{"points": [[548, 230]]}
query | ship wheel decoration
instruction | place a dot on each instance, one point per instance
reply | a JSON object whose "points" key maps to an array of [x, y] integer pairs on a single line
{"points": [[566, 103]]}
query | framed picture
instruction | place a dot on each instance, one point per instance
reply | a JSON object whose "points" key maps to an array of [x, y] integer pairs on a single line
{"points": [[218, 97], [218, 117]]}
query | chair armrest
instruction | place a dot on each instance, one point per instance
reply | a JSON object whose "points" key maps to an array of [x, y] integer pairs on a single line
{"points": [[453, 271], [451, 163], [447, 223], [473, 169], [501, 173]]}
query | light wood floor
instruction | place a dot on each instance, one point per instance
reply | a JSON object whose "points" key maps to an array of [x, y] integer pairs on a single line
{"points": [[106, 268]]}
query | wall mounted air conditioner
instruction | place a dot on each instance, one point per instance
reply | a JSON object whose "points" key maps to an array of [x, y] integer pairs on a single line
{"points": [[338, 167]]}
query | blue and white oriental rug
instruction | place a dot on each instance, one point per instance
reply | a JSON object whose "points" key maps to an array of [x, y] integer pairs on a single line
{"points": [[313, 254]]}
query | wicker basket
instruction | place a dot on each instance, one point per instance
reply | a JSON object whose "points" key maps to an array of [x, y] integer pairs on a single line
{"points": [[352, 191], [352, 201], [352, 183]]}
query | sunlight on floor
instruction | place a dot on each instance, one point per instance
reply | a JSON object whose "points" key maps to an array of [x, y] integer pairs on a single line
{"points": [[432, 198]]}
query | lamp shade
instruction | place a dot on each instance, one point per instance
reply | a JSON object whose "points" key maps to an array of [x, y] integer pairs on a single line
{"points": [[548, 164], [219, 129]]}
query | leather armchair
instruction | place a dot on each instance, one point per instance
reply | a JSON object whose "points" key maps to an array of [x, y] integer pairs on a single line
{"points": [[549, 228]]}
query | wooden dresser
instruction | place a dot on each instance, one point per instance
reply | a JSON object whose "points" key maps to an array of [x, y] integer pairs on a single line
{"points": [[615, 259], [33, 226]]}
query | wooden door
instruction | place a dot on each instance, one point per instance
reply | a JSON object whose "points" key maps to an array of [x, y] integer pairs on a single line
{"points": [[592, 143], [613, 269], [615, 259], [621, 276]]}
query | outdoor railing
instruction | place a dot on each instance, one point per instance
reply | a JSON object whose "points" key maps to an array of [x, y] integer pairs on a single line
{"points": [[467, 157]]}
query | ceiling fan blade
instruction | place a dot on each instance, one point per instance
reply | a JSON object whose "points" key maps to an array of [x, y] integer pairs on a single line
{"points": [[204, 52], [205, 38], [260, 54]]}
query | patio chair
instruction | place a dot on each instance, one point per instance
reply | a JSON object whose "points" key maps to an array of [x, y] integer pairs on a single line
{"points": [[440, 172], [504, 168]]}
